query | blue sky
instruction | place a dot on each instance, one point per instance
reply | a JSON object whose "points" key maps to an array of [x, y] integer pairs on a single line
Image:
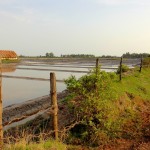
{"points": [[99, 27]]}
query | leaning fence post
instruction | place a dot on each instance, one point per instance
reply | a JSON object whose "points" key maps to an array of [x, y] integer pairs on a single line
{"points": [[121, 69], [141, 65], [1, 108], [54, 104]]}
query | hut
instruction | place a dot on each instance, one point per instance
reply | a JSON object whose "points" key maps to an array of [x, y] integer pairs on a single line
{"points": [[8, 54]]}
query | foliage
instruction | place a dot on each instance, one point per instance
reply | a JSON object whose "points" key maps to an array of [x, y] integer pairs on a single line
{"points": [[136, 83], [125, 68], [135, 55], [146, 62], [78, 56], [92, 103], [51, 55], [6, 61], [22, 144], [105, 110]]}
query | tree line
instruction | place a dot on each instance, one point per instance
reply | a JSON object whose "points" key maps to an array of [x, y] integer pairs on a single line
{"points": [[78, 56], [135, 55], [126, 55]]}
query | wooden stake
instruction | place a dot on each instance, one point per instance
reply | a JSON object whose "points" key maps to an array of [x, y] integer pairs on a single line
{"points": [[54, 104], [121, 69], [141, 65], [1, 108], [97, 65]]}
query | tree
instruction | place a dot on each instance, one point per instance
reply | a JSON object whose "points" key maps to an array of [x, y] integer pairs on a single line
{"points": [[50, 55], [135, 55]]}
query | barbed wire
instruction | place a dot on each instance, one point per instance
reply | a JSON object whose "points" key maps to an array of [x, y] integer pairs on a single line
{"points": [[27, 116]]}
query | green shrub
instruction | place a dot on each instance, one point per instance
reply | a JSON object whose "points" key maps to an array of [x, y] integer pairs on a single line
{"points": [[125, 68], [96, 105], [92, 103], [146, 62]]}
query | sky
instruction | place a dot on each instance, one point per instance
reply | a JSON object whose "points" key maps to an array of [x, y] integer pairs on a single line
{"points": [[98, 27]]}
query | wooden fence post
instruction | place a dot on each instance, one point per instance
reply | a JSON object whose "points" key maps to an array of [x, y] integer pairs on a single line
{"points": [[1, 108], [121, 69], [97, 65], [54, 104], [141, 65]]}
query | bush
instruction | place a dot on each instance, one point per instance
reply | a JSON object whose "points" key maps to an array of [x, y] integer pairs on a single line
{"points": [[146, 62], [101, 114], [125, 68], [91, 99]]}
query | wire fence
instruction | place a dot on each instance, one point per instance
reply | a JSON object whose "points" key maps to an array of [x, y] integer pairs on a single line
{"points": [[43, 79], [53, 109], [44, 105], [110, 65]]}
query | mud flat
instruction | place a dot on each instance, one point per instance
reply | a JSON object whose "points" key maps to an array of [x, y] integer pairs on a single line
{"points": [[91, 61], [17, 112]]}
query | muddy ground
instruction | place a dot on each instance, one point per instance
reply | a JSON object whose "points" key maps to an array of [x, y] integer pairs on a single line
{"points": [[16, 112]]}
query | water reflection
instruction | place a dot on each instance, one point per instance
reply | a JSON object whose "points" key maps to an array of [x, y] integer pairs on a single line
{"points": [[43, 74], [20, 90], [8, 68]]}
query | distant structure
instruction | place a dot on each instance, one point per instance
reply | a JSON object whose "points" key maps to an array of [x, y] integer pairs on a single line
{"points": [[8, 54]]}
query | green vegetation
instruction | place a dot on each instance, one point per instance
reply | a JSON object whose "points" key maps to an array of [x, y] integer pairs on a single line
{"points": [[135, 83], [104, 110], [92, 98], [135, 55], [78, 56], [146, 62], [42, 145], [51, 55], [107, 109], [6, 61], [125, 68]]}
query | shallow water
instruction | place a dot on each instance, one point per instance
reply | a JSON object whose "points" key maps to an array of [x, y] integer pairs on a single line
{"points": [[19, 90]]}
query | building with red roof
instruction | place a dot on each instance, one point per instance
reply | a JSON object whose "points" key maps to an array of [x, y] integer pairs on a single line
{"points": [[8, 54]]}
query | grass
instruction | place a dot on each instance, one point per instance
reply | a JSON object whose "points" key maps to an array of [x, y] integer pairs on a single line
{"points": [[42, 145], [7, 61], [135, 83]]}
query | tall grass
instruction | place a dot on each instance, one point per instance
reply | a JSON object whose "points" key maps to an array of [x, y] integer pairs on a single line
{"points": [[23, 144]]}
